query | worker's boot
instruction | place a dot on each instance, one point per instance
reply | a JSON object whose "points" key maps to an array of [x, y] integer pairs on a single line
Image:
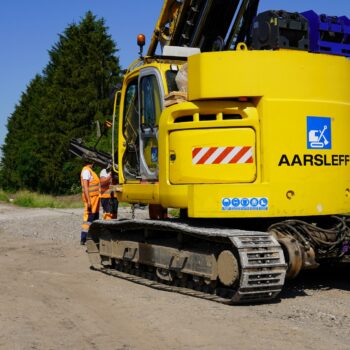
{"points": [[83, 238]]}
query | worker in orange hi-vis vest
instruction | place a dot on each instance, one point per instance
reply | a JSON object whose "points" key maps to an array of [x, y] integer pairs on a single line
{"points": [[90, 184], [109, 201]]}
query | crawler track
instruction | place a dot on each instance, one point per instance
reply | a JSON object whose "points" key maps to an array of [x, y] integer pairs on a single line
{"points": [[181, 257]]}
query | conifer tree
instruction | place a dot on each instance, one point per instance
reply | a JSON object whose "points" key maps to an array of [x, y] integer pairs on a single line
{"points": [[21, 160], [75, 89]]}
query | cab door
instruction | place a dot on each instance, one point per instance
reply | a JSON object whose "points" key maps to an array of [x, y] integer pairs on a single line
{"points": [[151, 104]]}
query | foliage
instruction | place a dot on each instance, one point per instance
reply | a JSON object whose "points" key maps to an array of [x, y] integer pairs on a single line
{"points": [[174, 213], [63, 103], [3, 196], [35, 200]]}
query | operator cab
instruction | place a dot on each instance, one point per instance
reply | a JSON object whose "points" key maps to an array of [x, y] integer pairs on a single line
{"points": [[146, 89], [141, 111]]}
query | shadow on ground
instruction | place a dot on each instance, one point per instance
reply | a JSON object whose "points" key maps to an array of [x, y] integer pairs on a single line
{"points": [[324, 278]]}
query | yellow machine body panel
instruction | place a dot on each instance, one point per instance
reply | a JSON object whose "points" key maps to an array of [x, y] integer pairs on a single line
{"points": [[208, 155], [289, 74], [295, 126]]}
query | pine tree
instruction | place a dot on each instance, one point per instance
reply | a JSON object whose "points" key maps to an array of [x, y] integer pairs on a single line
{"points": [[21, 159], [78, 74], [75, 90]]}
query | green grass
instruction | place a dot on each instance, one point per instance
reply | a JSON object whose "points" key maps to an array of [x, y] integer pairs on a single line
{"points": [[124, 204], [175, 213], [35, 200], [3, 196]]}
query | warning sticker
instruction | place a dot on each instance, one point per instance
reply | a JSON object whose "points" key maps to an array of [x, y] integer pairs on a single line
{"points": [[245, 203]]}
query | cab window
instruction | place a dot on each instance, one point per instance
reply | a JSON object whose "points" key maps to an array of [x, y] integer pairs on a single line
{"points": [[131, 118], [131, 163], [151, 104], [170, 76]]}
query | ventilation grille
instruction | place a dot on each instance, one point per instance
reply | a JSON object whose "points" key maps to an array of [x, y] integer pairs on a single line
{"points": [[207, 117]]}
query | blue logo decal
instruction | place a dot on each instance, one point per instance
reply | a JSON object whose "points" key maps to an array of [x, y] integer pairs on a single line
{"points": [[263, 202], [319, 133], [253, 203], [154, 154], [236, 202], [245, 202], [226, 202]]}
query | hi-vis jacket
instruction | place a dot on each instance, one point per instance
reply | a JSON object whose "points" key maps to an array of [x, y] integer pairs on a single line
{"points": [[94, 183], [105, 192]]}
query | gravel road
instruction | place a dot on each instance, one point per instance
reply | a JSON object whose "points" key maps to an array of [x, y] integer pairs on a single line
{"points": [[50, 299]]}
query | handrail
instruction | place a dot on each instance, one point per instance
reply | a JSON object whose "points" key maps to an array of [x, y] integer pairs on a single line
{"points": [[118, 93]]}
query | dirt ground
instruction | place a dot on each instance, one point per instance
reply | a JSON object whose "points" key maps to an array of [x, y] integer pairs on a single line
{"points": [[50, 299]]}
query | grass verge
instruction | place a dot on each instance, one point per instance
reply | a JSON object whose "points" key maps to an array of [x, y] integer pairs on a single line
{"points": [[174, 213], [3, 196], [35, 200]]}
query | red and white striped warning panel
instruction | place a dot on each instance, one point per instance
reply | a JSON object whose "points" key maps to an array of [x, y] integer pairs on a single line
{"points": [[222, 155]]}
